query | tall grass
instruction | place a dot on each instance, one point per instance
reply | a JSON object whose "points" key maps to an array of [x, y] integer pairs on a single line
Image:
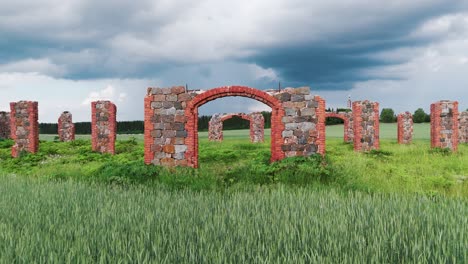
{"points": [[70, 222]]}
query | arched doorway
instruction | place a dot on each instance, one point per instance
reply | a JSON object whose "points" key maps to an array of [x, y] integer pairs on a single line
{"points": [[348, 126]]}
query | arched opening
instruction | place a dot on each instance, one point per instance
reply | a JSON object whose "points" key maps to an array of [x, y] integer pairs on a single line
{"points": [[347, 130], [191, 113]]}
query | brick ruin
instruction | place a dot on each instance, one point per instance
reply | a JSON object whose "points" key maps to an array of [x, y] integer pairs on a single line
{"points": [[66, 128], [256, 120], [463, 127], [5, 125], [444, 125], [24, 127], [171, 122], [103, 126], [366, 126], [405, 128], [347, 118]]}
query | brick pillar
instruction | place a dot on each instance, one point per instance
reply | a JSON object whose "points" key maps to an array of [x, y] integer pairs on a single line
{"points": [[215, 128], [463, 127], [366, 126], [66, 128], [5, 131], [405, 128], [104, 126], [24, 127], [257, 128], [444, 125]]}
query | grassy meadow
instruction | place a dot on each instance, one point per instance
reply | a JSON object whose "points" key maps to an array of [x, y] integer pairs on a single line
{"points": [[400, 204]]}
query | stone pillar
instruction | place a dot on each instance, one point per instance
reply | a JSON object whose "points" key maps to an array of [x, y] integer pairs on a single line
{"points": [[215, 128], [257, 128], [349, 127], [5, 125], [24, 127], [366, 126], [405, 128], [66, 128], [444, 125], [463, 128], [104, 126]]}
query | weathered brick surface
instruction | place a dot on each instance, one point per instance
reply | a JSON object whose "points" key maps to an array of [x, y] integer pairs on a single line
{"points": [[66, 128], [5, 125], [405, 128], [256, 120], [366, 126], [347, 118], [24, 127], [444, 125], [171, 125], [104, 126], [463, 127]]}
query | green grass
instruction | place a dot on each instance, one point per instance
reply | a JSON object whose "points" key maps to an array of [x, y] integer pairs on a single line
{"points": [[71, 222]]}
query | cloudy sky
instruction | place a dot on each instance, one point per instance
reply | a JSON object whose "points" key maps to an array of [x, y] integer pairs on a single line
{"points": [[65, 54]]}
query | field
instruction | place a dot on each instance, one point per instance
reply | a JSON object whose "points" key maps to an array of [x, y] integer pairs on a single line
{"points": [[400, 204]]}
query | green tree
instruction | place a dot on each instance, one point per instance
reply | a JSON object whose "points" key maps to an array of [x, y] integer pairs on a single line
{"points": [[420, 116], [387, 115]]}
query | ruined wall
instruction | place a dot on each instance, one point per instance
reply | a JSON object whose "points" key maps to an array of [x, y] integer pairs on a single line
{"points": [[24, 127], [104, 126], [171, 122], [215, 128], [5, 125], [444, 125], [66, 128], [366, 126], [257, 128], [347, 118], [463, 127], [256, 121], [405, 128]]}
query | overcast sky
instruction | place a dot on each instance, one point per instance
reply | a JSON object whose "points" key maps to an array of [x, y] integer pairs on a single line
{"points": [[65, 54]]}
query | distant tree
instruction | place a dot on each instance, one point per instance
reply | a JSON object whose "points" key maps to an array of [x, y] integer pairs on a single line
{"points": [[387, 115], [420, 116]]}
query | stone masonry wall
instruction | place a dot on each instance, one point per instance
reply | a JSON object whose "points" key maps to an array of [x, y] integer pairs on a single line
{"points": [[171, 122], [405, 128], [366, 126], [444, 125], [215, 128], [463, 128], [24, 127], [104, 126], [66, 128], [257, 128], [5, 125]]}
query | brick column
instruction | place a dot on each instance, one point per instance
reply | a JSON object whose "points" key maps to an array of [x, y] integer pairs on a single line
{"points": [[24, 127], [5, 131], [66, 128], [366, 126], [463, 127], [104, 126], [405, 128], [444, 125]]}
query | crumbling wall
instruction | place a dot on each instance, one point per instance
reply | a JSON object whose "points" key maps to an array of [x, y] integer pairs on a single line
{"points": [[66, 128], [405, 128], [463, 127], [366, 126], [24, 127], [257, 127], [215, 128], [444, 125], [5, 131], [104, 126]]}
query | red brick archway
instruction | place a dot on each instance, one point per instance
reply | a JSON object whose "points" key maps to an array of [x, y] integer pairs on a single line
{"points": [[243, 116], [191, 112], [345, 120]]}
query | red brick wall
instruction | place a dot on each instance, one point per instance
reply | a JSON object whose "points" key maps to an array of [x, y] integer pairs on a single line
{"points": [[405, 128], [444, 125], [366, 126], [24, 127], [66, 128], [103, 126]]}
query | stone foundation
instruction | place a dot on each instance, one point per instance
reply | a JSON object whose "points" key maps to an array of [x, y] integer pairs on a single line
{"points": [[444, 125], [24, 127], [5, 125], [66, 128], [366, 126], [463, 127], [405, 128], [104, 126]]}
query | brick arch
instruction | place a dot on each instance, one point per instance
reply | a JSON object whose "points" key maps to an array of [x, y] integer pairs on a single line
{"points": [[346, 123], [229, 116], [191, 113]]}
